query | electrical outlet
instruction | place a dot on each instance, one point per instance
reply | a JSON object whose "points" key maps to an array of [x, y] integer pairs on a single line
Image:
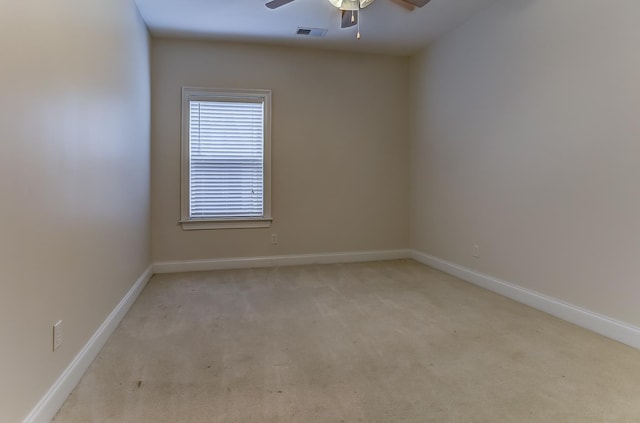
{"points": [[57, 335], [274, 239], [476, 250]]}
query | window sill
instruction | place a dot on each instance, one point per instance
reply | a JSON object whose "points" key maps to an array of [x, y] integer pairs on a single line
{"points": [[204, 224]]}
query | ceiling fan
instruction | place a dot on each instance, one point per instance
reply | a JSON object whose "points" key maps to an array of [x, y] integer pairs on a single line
{"points": [[350, 8]]}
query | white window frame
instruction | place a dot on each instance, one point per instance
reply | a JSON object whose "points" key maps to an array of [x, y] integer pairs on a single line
{"points": [[213, 94]]}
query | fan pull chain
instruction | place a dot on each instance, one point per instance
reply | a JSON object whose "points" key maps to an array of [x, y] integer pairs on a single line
{"points": [[359, 17], [353, 17]]}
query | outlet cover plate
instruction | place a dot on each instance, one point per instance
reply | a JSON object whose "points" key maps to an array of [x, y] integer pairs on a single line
{"points": [[57, 335]]}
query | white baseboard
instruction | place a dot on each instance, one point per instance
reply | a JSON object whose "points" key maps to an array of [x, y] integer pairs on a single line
{"points": [[606, 326], [49, 405], [271, 261]]}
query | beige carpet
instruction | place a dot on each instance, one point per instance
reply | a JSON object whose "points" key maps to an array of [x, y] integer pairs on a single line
{"points": [[376, 342]]}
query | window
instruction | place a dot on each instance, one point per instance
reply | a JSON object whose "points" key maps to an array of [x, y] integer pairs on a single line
{"points": [[226, 155]]}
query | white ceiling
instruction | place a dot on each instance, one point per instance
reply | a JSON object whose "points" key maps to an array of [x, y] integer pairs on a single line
{"points": [[385, 26]]}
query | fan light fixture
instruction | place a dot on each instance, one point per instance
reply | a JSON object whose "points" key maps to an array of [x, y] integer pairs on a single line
{"points": [[350, 4]]}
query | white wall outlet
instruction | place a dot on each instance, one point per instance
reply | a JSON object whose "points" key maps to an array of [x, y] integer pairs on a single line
{"points": [[476, 250], [57, 335], [274, 239]]}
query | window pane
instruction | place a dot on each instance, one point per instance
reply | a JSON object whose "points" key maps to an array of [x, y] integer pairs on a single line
{"points": [[226, 152]]}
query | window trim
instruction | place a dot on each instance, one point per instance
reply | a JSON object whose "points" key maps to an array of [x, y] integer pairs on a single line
{"points": [[204, 94]]}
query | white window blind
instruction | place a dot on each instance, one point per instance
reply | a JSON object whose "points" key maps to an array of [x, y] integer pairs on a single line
{"points": [[226, 158]]}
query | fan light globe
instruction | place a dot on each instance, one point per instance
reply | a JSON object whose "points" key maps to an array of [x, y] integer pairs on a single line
{"points": [[350, 4]]}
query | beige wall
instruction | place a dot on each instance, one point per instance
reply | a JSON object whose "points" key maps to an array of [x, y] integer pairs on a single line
{"points": [[526, 140], [74, 181], [339, 146]]}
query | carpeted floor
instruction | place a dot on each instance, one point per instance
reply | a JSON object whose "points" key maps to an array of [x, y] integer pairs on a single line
{"points": [[374, 342]]}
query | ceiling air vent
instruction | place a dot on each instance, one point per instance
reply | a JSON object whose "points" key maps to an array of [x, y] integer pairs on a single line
{"points": [[311, 32]]}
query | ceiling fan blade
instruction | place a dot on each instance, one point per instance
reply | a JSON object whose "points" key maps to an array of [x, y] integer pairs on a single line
{"points": [[418, 3], [402, 3], [349, 18], [274, 4]]}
